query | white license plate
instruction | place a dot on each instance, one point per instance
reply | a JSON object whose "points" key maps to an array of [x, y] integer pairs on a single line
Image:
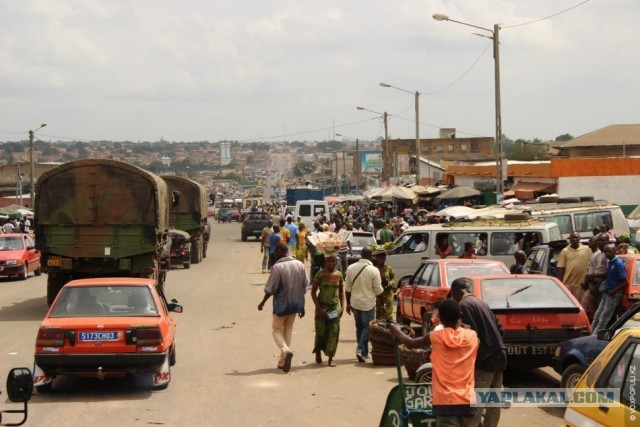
{"points": [[531, 350], [98, 336]]}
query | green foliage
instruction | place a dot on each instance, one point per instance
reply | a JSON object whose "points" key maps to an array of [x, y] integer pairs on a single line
{"points": [[564, 137], [330, 146]]}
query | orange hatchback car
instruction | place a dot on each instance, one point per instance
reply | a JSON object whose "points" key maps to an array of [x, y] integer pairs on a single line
{"points": [[536, 311], [107, 327], [431, 282]]}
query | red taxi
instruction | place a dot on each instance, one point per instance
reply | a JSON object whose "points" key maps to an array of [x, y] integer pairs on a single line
{"points": [[107, 327], [18, 255], [431, 282], [536, 311]]}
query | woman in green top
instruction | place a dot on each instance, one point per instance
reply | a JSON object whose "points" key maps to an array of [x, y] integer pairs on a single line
{"points": [[327, 293], [385, 313]]}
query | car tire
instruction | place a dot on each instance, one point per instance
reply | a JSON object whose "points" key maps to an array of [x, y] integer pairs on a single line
{"points": [[54, 284], [172, 355], [426, 322], [244, 237], [571, 375], [186, 265], [38, 271], [25, 274]]}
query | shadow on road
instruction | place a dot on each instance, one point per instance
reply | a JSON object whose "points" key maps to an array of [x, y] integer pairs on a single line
{"points": [[28, 310]]}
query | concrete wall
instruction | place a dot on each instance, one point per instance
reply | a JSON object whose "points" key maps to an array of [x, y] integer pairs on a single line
{"points": [[622, 190]]}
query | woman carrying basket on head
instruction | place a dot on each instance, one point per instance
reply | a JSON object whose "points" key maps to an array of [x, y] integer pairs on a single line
{"points": [[327, 293]]}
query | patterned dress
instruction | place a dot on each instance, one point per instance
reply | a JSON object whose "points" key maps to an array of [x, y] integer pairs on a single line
{"points": [[388, 286], [301, 247], [328, 330]]}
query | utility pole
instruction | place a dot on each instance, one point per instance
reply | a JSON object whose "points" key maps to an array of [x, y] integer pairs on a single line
{"points": [[357, 168], [32, 165], [386, 145]]}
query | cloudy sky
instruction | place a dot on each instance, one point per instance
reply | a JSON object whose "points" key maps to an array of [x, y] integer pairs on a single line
{"points": [[251, 70]]}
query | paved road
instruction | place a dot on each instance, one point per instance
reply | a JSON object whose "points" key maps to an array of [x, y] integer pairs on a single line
{"points": [[226, 360]]}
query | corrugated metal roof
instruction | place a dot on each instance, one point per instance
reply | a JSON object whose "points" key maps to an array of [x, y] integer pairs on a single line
{"points": [[613, 135]]}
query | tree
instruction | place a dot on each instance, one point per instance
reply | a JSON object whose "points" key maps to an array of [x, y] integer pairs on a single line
{"points": [[564, 137]]}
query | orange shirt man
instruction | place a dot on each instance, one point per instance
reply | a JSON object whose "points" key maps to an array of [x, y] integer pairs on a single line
{"points": [[453, 355]]}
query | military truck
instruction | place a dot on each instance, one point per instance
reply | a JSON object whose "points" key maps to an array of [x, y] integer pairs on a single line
{"points": [[188, 212], [101, 218]]}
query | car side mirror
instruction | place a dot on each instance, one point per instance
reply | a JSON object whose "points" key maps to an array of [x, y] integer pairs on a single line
{"points": [[405, 280], [605, 334], [19, 389], [174, 306]]}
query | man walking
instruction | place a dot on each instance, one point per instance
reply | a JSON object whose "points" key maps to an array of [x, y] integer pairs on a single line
{"points": [[287, 284], [492, 357], [363, 287], [572, 265], [293, 235], [616, 282], [594, 281], [265, 238]]}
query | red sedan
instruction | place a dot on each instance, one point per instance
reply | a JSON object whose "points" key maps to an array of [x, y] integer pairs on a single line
{"points": [[107, 327], [18, 255]]}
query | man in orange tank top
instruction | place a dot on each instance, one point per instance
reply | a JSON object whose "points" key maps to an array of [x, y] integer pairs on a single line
{"points": [[453, 355]]}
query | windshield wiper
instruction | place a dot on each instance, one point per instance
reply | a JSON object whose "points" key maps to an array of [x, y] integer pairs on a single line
{"points": [[516, 292]]}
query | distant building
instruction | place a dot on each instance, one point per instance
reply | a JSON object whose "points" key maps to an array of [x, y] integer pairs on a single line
{"points": [[165, 160], [610, 141], [225, 153]]}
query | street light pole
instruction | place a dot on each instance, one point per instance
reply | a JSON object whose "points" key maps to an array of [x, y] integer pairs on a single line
{"points": [[387, 160], [417, 107], [495, 36], [32, 164]]}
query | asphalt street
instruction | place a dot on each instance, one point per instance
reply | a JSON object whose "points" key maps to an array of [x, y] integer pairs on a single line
{"points": [[226, 371]]}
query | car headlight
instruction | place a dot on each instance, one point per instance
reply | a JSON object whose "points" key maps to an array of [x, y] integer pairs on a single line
{"points": [[11, 262]]}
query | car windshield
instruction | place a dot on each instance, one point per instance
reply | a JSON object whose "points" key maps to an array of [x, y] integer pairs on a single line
{"points": [[456, 270], [110, 301], [360, 241], [524, 292], [10, 243]]}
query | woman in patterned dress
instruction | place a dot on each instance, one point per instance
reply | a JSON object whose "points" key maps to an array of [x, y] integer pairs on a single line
{"points": [[388, 277], [327, 293], [301, 244]]}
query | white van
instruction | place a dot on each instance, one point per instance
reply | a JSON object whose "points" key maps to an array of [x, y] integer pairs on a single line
{"points": [[308, 210], [495, 240]]}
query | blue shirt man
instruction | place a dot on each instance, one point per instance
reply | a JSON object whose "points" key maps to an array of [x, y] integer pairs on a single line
{"points": [[615, 284], [293, 232]]}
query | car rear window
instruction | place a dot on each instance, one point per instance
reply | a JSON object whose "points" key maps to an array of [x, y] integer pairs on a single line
{"points": [[456, 270], [112, 301], [518, 293]]}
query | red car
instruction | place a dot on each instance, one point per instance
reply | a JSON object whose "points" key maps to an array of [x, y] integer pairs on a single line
{"points": [[431, 282], [107, 327], [537, 313], [18, 255]]}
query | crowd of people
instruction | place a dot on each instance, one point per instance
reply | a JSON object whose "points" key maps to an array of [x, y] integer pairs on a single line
{"points": [[467, 348], [15, 226]]}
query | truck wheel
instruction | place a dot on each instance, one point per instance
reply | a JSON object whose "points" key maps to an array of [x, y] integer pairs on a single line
{"points": [[54, 284], [38, 271], [196, 252], [204, 249]]}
